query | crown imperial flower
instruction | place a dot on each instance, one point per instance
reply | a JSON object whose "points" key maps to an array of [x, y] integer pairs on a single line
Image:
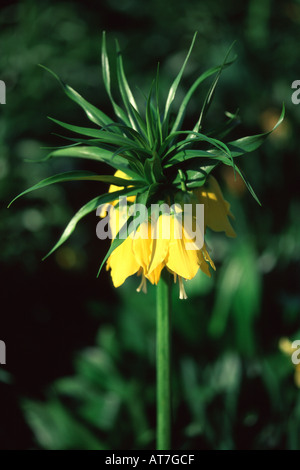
{"points": [[156, 161], [161, 243]]}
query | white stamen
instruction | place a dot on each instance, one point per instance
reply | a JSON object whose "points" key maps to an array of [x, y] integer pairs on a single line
{"points": [[182, 293], [143, 285]]}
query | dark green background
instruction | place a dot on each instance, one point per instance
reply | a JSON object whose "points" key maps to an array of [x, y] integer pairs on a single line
{"points": [[80, 370]]}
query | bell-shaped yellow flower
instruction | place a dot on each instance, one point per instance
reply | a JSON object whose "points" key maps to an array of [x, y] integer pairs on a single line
{"points": [[162, 243], [216, 209]]}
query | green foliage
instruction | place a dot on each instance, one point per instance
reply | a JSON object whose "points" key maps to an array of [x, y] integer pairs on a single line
{"points": [[154, 155]]}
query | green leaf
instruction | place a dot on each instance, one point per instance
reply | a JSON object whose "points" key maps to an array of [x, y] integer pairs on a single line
{"points": [[223, 148], [55, 427], [190, 93], [140, 121], [127, 96], [195, 177], [153, 170], [79, 175], [102, 136], [238, 295], [157, 171], [157, 111], [248, 185], [140, 152], [130, 132], [174, 86], [87, 209], [185, 155], [156, 193], [224, 129], [142, 198], [148, 171], [250, 143], [150, 121], [106, 79], [210, 94], [94, 153], [93, 113]]}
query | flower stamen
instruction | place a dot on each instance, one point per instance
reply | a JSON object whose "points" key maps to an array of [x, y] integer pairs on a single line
{"points": [[143, 285], [182, 293]]}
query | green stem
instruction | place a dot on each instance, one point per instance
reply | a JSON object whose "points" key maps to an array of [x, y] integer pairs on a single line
{"points": [[163, 363]]}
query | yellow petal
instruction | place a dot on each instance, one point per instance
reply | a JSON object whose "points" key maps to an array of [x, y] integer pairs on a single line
{"points": [[180, 260], [141, 245], [207, 257], [122, 263], [203, 264], [113, 188], [160, 245], [117, 219], [216, 209], [154, 276]]}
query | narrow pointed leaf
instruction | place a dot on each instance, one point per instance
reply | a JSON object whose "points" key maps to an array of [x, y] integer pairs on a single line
{"points": [[198, 137], [150, 119], [190, 93], [176, 82], [158, 119], [250, 143], [140, 121], [195, 178], [224, 129], [93, 113], [248, 185], [79, 175], [87, 209], [127, 96], [94, 153], [184, 155], [210, 94], [102, 136], [106, 79]]}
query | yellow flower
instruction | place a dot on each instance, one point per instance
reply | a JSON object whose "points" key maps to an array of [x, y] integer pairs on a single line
{"points": [[161, 243], [285, 345], [216, 209]]}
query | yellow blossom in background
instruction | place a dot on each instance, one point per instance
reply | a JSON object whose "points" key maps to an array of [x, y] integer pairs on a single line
{"points": [[285, 345]]}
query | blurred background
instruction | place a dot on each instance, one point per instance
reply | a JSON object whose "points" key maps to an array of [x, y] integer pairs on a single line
{"points": [[80, 370]]}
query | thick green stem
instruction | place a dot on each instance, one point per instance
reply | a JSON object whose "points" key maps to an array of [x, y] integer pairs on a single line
{"points": [[163, 363]]}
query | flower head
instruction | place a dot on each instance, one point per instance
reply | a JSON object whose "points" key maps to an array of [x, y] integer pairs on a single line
{"points": [[165, 242], [158, 161]]}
